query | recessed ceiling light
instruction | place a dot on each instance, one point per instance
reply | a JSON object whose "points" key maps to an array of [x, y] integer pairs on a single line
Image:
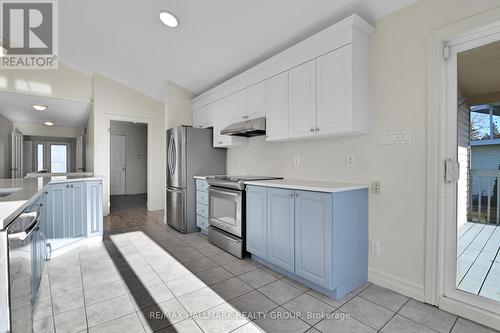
{"points": [[49, 123], [39, 107], [169, 19]]}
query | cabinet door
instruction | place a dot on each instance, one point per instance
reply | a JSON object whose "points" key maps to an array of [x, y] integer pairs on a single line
{"points": [[280, 228], [335, 91], [94, 208], [221, 120], [197, 118], [302, 100], [256, 101], [238, 107], [76, 212], [313, 237], [256, 205], [56, 213], [277, 107]]}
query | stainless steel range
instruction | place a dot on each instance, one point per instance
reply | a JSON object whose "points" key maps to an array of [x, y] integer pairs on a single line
{"points": [[226, 212]]}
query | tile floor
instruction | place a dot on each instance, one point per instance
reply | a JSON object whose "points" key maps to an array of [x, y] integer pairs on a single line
{"points": [[146, 277]]}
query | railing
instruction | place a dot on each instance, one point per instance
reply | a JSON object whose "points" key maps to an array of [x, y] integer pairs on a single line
{"points": [[484, 196]]}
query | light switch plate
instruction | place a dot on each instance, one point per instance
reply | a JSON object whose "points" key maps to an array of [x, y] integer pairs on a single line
{"points": [[351, 160], [297, 161], [394, 138]]}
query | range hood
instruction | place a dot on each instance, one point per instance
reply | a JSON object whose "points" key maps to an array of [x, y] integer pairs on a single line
{"points": [[248, 128]]}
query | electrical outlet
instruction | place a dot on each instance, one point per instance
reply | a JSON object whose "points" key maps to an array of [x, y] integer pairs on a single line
{"points": [[375, 247], [376, 187], [350, 160], [297, 161]]}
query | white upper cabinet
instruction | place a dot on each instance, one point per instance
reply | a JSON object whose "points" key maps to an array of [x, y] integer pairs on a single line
{"points": [[198, 117], [221, 109], [302, 100], [335, 111], [256, 101], [249, 103], [318, 87], [237, 111], [277, 107], [203, 117]]}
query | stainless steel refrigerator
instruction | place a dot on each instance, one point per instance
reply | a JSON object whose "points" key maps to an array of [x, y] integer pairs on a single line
{"points": [[190, 153]]}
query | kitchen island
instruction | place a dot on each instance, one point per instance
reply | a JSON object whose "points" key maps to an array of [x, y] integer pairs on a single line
{"points": [[70, 207]]}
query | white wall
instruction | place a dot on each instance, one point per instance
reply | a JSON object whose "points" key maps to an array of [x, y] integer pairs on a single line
{"points": [[6, 128], [177, 105], [89, 142], [397, 215], [53, 131], [64, 82], [136, 155], [114, 101]]}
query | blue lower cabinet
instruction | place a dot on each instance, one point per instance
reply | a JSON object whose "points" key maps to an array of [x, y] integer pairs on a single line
{"points": [[280, 228], [56, 215], [256, 220], [313, 237], [72, 212], [76, 220], [94, 223], [317, 238]]}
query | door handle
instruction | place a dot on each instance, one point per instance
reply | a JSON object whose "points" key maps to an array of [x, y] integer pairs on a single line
{"points": [[29, 230]]}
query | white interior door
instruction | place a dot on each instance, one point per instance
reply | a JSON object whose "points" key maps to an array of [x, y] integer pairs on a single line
{"points": [[16, 155], [118, 164]]}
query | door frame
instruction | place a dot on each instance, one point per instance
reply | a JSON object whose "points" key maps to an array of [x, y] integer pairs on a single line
{"points": [[439, 104], [125, 181], [151, 126]]}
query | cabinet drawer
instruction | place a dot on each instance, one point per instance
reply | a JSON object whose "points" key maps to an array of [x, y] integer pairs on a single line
{"points": [[202, 209], [201, 222], [202, 197], [201, 185]]}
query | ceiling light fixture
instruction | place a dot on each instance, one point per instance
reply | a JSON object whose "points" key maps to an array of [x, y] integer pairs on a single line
{"points": [[39, 107], [169, 19], [49, 123]]}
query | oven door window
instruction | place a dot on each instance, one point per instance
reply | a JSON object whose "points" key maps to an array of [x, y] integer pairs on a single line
{"points": [[225, 210]]}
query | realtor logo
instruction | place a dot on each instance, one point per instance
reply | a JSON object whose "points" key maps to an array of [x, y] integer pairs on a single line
{"points": [[29, 34]]}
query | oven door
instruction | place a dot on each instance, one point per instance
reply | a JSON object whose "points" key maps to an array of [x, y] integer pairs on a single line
{"points": [[225, 209]]}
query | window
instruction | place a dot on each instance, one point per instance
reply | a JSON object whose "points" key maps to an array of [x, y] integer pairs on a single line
{"points": [[480, 126], [40, 149], [58, 158], [484, 122]]}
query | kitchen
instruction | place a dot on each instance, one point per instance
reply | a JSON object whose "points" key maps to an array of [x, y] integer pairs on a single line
{"points": [[276, 187]]}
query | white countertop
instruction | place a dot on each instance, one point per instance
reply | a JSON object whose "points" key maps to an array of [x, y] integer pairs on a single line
{"points": [[69, 174], [308, 185], [12, 205], [205, 177]]}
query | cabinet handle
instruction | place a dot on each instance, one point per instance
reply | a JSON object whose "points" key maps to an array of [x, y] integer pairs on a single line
{"points": [[220, 142], [312, 129], [245, 117], [317, 129]]}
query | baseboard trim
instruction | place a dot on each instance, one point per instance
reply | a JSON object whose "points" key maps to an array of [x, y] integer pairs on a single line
{"points": [[470, 312], [397, 284]]}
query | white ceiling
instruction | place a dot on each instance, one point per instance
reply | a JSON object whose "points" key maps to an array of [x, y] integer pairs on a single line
{"points": [[215, 40], [479, 70], [18, 109]]}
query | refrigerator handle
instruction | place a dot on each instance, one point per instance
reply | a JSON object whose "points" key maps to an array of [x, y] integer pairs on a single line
{"points": [[174, 157], [169, 157]]}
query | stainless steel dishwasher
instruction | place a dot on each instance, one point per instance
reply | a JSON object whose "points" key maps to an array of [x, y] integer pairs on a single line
{"points": [[18, 271]]}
